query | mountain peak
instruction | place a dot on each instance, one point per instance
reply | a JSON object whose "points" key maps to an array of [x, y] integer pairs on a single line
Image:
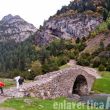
{"points": [[7, 17], [15, 28]]}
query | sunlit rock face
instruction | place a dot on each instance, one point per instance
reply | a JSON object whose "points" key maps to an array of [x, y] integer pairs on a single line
{"points": [[15, 28], [78, 25], [77, 19]]}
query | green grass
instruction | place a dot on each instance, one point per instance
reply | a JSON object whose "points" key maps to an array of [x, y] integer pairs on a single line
{"points": [[102, 85], [35, 104], [8, 82]]}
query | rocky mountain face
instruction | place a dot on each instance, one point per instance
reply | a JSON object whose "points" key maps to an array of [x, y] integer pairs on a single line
{"points": [[69, 27], [69, 23], [15, 28]]}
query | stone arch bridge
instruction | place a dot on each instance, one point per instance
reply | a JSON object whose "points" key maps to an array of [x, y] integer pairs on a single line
{"points": [[73, 80]]}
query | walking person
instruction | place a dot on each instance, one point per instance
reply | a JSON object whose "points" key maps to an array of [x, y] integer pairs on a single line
{"points": [[1, 87], [21, 81], [17, 81]]}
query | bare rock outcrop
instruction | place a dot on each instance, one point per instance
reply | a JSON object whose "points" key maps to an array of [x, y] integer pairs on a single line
{"points": [[77, 19], [15, 28], [78, 25]]}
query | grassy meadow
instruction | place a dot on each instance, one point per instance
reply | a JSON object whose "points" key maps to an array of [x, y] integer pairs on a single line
{"points": [[102, 85], [37, 104]]}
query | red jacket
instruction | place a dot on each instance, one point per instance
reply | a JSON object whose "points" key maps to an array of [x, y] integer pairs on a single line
{"points": [[2, 84]]}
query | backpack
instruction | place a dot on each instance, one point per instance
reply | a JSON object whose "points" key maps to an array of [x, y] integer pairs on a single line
{"points": [[21, 80]]}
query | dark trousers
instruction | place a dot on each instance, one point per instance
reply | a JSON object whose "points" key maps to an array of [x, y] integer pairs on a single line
{"points": [[1, 90]]}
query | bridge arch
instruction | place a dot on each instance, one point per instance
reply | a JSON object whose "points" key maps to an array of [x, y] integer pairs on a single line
{"points": [[80, 85]]}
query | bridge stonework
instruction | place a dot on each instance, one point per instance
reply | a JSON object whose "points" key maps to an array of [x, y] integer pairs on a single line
{"points": [[60, 83]]}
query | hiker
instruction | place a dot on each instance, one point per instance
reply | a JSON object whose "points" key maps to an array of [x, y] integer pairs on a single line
{"points": [[19, 81], [1, 87]]}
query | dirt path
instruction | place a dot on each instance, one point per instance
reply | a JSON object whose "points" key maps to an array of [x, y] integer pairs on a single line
{"points": [[8, 94], [2, 99]]}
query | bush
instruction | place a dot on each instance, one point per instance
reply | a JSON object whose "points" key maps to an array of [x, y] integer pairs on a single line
{"points": [[14, 73], [50, 65], [105, 14], [96, 53], [96, 62], [84, 59], [83, 62], [47, 67], [76, 52], [109, 26], [93, 34], [78, 40], [81, 46], [104, 61], [83, 39], [101, 46], [63, 60], [71, 54], [108, 68], [108, 48], [36, 67], [101, 67]]}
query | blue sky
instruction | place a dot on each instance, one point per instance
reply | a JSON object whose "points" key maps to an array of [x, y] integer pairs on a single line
{"points": [[33, 11]]}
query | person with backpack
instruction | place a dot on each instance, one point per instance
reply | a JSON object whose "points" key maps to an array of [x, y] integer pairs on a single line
{"points": [[19, 81]]}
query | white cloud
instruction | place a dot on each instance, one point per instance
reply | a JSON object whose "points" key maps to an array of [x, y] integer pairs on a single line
{"points": [[33, 11]]}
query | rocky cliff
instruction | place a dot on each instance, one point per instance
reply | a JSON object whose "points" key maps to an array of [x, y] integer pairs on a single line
{"points": [[72, 21], [15, 28]]}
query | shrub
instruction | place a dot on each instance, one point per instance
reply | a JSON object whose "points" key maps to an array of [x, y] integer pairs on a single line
{"points": [[108, 61], [103, 61], [84, 59], [96, 53], [83, 62], [109, 26], [108, 48], [50, 65], [83, 39], [101, 67], [63, 60], [101, 46], [71, 54], [36, 67], [14, 73], [96, 62], [93, 34], [81, 46], [78, 40], [108, 68], [47, 67], [105, 14]]}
